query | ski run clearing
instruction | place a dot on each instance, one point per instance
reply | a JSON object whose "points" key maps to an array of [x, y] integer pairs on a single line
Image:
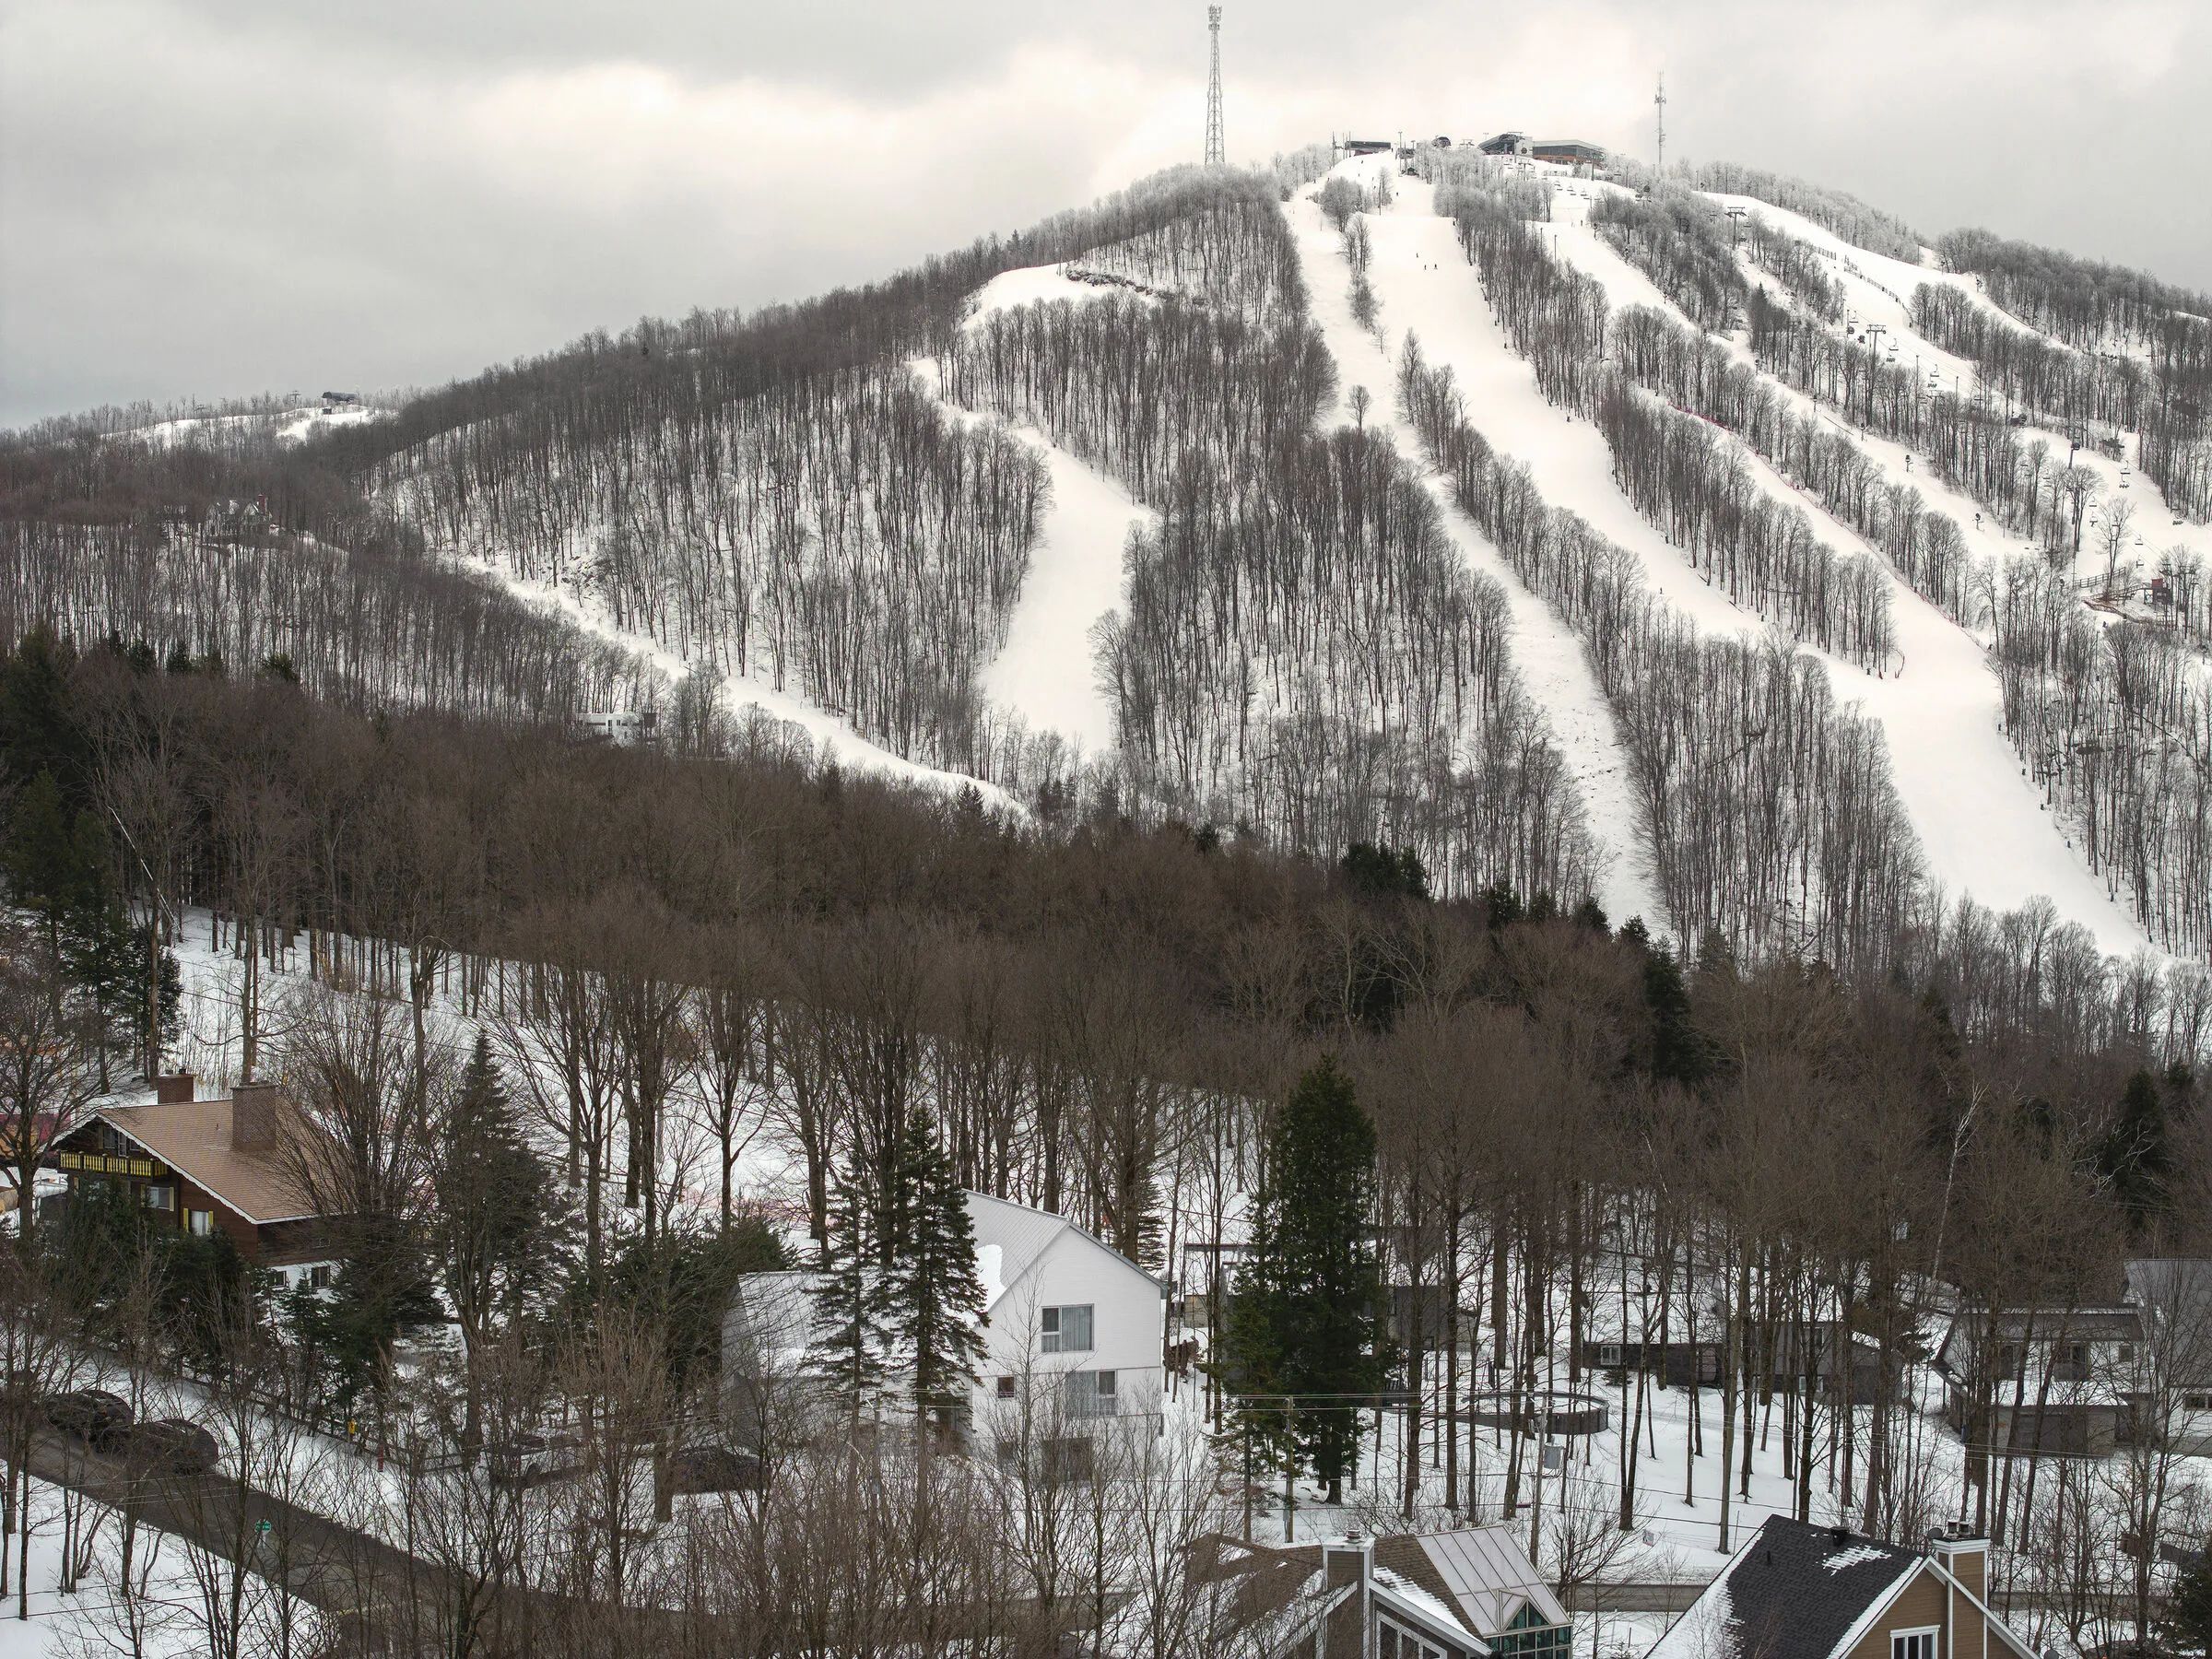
{"points": [[832, 737], [1045, 671], [1981, 823], [1545, 651]]}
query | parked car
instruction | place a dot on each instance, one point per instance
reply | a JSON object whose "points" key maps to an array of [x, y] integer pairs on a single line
{"points": [[533, 1459], [91, 1415], [166, 1446]]}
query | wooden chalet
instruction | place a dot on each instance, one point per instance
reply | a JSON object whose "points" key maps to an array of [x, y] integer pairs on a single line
{"points": [[224, 1164]]}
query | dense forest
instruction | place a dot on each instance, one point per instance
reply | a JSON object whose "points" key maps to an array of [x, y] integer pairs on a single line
{"points": [[1102, 1019], [2111, 720], [1674, 237], [1300, 652], [1844, 213]]}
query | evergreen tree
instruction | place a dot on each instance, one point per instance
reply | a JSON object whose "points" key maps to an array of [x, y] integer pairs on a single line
{"points": [[932, 1295], [2188, 1621], [43, 856], [38, 733], [1305, 1322], [851, 1315], [1383, 872], [496, 1203], [2137, 1157], [1680, 1052]]}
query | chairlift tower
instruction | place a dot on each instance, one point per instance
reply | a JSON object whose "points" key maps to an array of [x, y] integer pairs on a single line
{"points": [[1216, 154]]}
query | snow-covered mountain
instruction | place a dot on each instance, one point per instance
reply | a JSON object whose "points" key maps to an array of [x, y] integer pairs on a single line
{"points": [[1707, 546]]}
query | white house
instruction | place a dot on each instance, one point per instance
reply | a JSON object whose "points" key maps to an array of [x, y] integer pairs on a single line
{"points": [[1072, 1329]]}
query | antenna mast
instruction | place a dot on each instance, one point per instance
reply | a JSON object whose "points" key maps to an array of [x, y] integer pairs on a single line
{"points": [[1215, 156], [1659, 104]]}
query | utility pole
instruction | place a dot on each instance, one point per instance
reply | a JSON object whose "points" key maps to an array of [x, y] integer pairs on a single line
{"points": [[1659, 104], [1216, 154]]}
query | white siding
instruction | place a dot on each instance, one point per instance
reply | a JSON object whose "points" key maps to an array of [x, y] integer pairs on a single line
{"points": [[1074, 1270]]}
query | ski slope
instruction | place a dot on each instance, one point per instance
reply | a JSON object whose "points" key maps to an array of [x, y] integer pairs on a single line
{"points": [[1045, 671], [833, 738], [1879, 290], [1543, 651], [288, 426], [1982, 822]]}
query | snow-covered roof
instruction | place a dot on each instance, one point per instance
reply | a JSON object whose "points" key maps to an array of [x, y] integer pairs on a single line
{"points": [[775, 1312], [1400, 1597], [1491, 1576], [1790, 1592], [1021, 1234]]}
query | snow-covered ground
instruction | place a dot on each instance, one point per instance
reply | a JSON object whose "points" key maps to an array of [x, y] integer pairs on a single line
{"points": [[1045, 671], [1028, 284], [47, 1623], [1409, 247], [1981, 823], [289, 426], [1879, 290], [831, 734]]}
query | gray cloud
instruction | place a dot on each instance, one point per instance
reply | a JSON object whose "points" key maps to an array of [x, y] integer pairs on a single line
{"points": [[211, 199]]}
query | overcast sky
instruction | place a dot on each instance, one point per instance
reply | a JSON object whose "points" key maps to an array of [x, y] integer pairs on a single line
{"points": [[208, 198]]}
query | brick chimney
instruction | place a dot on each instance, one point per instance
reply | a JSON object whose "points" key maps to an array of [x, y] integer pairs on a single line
{"points": [[254, 1116], [174, 1087], [1963, 1553], [1350, 1562]]}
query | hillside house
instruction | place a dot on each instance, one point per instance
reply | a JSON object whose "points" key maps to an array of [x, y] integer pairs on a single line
{"points": [[1073, 1334], [620, 726], [1440, 1595], [2051, 1380], [1793, 1351], [225, 1164], [2172, 1296], [1799, 1591], [1621, 1340]]}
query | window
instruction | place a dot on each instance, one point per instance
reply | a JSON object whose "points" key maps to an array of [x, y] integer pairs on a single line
{"points": [[1068, 1459], [160, 1195], [202, 1222], [1914, 1644], [1006, 1388], [1068, 1330], [2196, 1402], [1397, 1643], [1608, 1353], [1090, 1393]]}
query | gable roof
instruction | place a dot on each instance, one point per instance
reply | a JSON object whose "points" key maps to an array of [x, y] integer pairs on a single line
{"points": [[1481, 1571], [193, 1138], [1413, 1604], [775, 1312], [1022, 1236], [1792, 1592], [1468, 1585]]}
